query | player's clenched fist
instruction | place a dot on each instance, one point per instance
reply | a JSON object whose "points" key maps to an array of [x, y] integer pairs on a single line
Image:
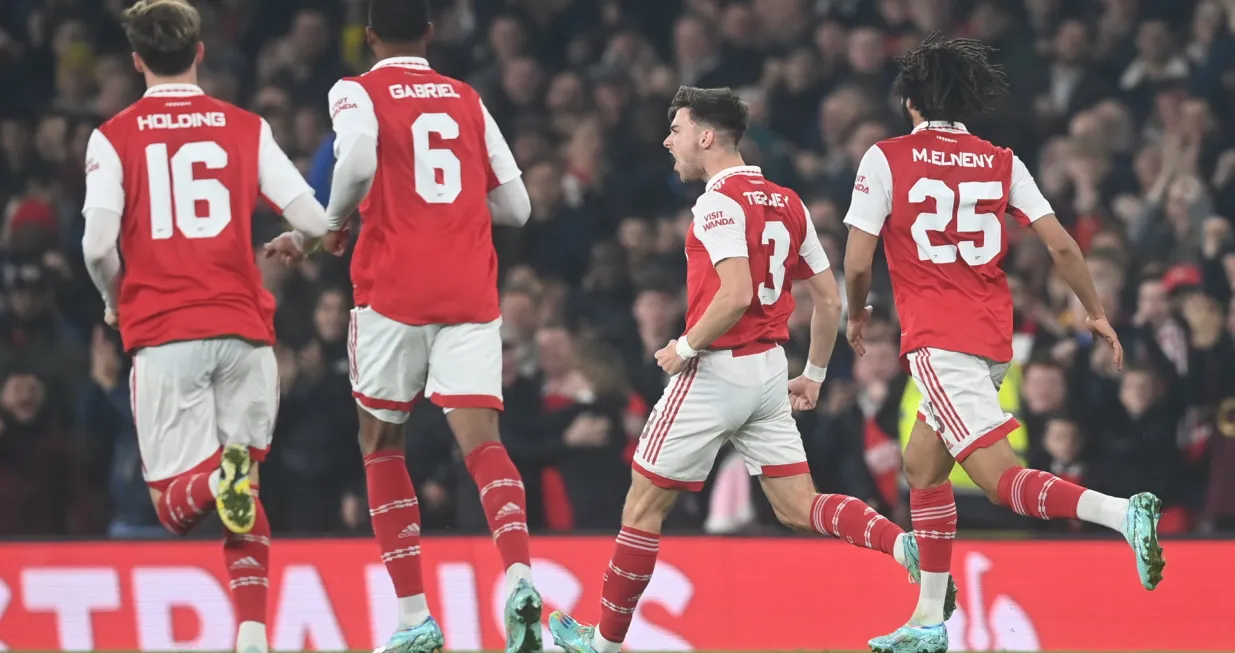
{"points": [[669, 360], [335, 242], [285, 247], [803, 393]]}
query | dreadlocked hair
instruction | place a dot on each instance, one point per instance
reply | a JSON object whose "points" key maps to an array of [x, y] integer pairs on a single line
{"points": [[950, 80]]}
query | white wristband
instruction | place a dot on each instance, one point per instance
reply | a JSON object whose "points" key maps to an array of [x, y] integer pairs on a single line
{"points": [[684, 349], [815, 373]]}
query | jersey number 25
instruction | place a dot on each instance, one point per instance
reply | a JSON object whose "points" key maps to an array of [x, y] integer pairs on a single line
{"points": [[963, 202]]}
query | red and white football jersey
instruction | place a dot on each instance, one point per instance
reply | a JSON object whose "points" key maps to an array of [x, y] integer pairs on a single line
{"points": [[742, 214], [425, 253], [939, 196], [185, 171]]}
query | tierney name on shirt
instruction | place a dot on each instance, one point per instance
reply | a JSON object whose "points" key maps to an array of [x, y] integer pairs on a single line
{"points": [[958, 159]]}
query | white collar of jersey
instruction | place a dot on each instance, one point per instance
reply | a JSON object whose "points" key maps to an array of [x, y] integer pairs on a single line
{"points": [[941, 124], [163, 90], [729, 172], [418, 63]]}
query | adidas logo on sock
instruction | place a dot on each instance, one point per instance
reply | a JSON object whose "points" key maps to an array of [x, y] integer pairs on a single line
{"points": [[247, 562], [509, 509], [412, 530]]}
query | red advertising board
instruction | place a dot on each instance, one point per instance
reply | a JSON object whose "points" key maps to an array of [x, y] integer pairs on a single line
{"points": [[708, 594]]}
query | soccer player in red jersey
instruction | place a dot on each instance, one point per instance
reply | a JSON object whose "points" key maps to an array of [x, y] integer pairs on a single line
{"points": [[729, 378], [175, 178], [938, 196], [420, 156]]}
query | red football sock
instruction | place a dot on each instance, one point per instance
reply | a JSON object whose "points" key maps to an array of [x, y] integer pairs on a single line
{"points": [[501, 495], [1035, 493], [185, 501], [630, 570], [395, 516], [247, 558], [853, 521], [933, 513]]}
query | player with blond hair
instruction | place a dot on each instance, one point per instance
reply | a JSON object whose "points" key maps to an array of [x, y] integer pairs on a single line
{"points": [[172, 182]]}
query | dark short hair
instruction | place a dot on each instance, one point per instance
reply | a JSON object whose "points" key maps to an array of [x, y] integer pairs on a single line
{"points": [[399, 21], [950, 80], [719, 108], [164, 33]]}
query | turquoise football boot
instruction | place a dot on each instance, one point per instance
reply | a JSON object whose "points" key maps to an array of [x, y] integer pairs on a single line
{"points": [[523, 610], [425, 637], [913, 639], [913, 562], [571, 635], [1141, 531]]}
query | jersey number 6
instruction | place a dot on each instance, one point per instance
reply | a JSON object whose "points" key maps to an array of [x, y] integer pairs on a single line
{"points": [[429, 162], [963, 202]]}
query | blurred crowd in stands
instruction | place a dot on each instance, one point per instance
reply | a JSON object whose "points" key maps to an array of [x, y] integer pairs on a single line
{"points": [[1124, 110]]}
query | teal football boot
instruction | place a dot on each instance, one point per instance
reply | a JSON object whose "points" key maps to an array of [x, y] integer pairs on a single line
{"points": [[571, 635], [913, 639], [1141, 531], [425, 637], [523, 610]]}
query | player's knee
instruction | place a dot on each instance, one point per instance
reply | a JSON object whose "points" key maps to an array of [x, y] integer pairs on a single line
{"points": [[796, 520], [647, 505], [920, 475], [376, 435]]}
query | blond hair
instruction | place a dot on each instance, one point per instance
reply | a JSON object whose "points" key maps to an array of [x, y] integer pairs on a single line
{"points": [[164, 33]]}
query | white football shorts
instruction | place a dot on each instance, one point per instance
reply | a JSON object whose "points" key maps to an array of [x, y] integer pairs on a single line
{"points": [[393, 364], [722, 396], [192, 397], [960, 398]]}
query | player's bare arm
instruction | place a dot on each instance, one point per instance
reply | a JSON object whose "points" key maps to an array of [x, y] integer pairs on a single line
{"points": [[859, 261], [824, 322], [726, 308], [869, 206], [1072, 267]]}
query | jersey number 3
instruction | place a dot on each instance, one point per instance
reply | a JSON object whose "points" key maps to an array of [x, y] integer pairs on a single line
{"points": [[963, 202], [175, 192], [777, 235]]}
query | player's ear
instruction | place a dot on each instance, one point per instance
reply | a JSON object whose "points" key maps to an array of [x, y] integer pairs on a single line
{"points": [[430, 32], [370, 36], [138, 65], [201, 54], [706, 138]]}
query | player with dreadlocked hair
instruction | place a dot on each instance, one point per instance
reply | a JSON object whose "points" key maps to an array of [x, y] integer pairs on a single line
{"points": [[942, 226], [950, 81]]}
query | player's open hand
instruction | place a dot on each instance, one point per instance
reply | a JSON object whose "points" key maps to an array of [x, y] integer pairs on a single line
{"points": [[669, 360], [336, 242], [285, 248], [1102, 329], [803, 393], [857, 322]]}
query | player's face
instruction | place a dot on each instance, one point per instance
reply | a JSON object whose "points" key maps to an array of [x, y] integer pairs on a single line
{"points": [[683, 142]]}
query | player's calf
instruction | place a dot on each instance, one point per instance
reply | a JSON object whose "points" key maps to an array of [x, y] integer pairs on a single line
{"points": [[395, 516], [247, 557], [185, 500]]}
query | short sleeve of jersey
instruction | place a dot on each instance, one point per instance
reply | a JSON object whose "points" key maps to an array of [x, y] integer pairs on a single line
{"points": [[104, 175], [1025, 199], [351, 111], [811, 252], [871, 201], [279, 179], [720, 224], [501, 160]]}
